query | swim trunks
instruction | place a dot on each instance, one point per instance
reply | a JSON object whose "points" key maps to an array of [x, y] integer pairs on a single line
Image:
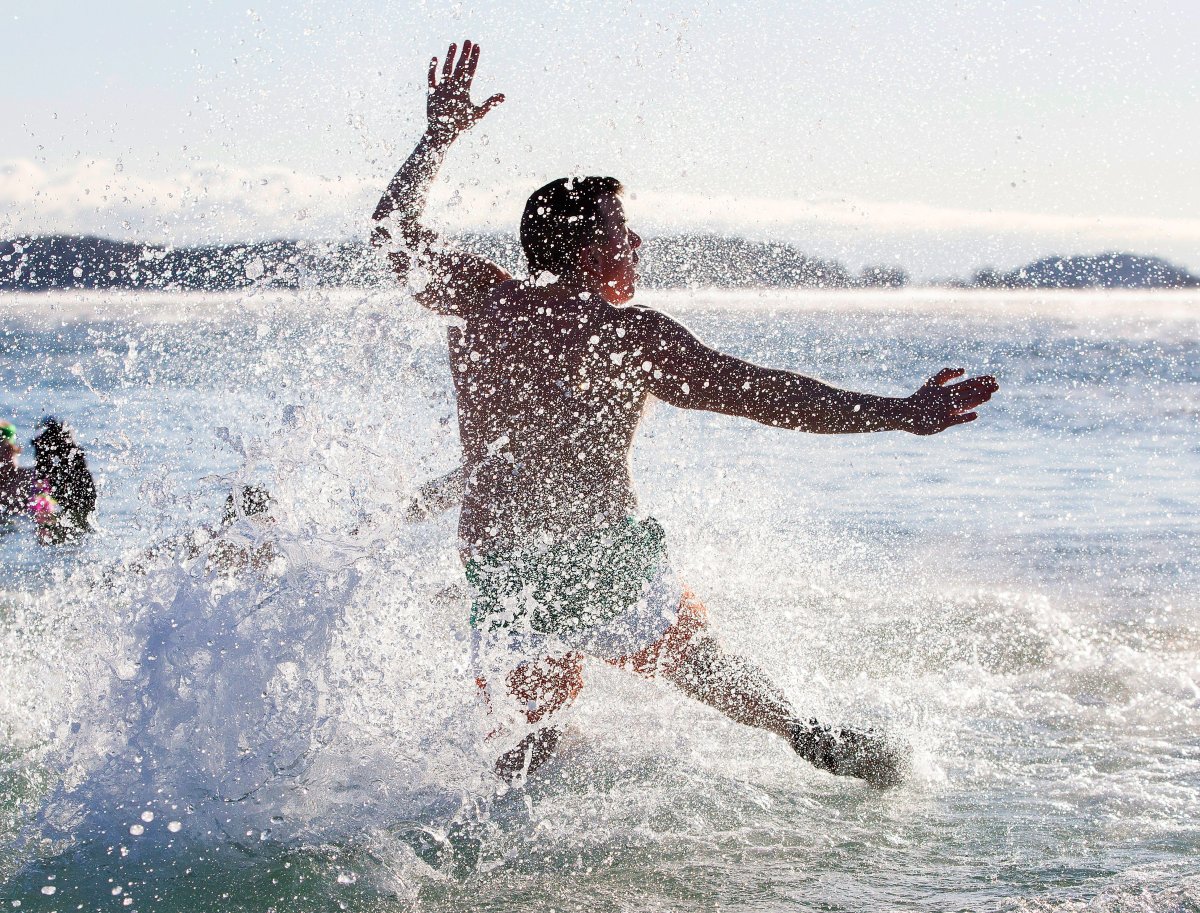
{"points": [[539, 610], [610, 594]]}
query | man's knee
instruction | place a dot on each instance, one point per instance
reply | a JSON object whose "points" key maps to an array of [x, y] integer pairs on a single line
{"points": [[672, 648]]}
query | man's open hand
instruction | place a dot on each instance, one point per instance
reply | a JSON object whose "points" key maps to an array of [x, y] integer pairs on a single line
{"points": [[449, 108], [940, 404]]}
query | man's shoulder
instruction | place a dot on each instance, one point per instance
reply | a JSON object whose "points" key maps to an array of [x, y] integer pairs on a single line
{"points": [[646, 324], [633, 316], [499, 298], [488, 304]]}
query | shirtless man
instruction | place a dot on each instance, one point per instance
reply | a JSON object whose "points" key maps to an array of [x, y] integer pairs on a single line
{"points": [[552, 375]]}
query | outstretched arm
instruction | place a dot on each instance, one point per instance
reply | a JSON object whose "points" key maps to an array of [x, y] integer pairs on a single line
{"points": [[454, 279], [684, 372]]}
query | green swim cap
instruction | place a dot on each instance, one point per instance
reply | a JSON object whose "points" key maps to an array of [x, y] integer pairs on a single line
{"points": [[8, 431]]}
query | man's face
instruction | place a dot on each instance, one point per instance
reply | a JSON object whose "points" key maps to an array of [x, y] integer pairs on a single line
{"points": [[616, 255]]}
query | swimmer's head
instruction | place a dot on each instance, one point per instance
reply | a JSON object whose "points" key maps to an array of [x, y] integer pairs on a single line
{"points": [[255, 501], [575, 228], [54, 445]]}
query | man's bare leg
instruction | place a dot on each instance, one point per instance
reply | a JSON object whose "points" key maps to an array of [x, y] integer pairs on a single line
{"points": [[545, 688], [737, 688], [731, 684]]}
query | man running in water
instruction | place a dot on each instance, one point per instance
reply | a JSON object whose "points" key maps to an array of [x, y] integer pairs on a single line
{"points": [[552, 375]]}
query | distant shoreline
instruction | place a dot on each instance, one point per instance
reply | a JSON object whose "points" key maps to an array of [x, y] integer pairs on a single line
{"points": [[70, 262], [83, 307]]}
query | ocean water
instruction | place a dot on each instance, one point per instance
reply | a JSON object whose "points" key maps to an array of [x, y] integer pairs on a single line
{"points": [[1017, 597]]}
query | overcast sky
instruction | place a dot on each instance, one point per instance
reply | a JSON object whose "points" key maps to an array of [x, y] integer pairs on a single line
{"points": [[941, 136]]}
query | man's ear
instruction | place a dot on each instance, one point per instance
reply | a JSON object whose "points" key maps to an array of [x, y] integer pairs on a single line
{"points": [[590, 259]]}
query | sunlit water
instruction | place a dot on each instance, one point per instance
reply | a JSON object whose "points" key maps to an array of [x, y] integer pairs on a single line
{"points": [[1017, 597]]}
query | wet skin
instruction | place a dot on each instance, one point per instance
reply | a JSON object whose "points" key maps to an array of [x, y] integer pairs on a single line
{"points": [[552, 382]]}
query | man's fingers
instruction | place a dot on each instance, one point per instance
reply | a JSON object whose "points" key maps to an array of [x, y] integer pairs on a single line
{"points": [[433, 73], [474, 65], [944, 376], [490, 103], [973, 392], [962, 419], [464, 60], [448, 66], [985, 383]]}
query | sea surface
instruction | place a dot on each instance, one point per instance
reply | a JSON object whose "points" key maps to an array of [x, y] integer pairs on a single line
{"points": [[1018, 597]]}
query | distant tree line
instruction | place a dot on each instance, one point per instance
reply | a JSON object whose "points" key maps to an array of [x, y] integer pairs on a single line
{"points": [[1108, 270], [71, 262], [680, 261], [695, 261]]}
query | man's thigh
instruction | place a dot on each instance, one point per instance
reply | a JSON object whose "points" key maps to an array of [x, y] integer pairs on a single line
{"points": [[664, 654]]}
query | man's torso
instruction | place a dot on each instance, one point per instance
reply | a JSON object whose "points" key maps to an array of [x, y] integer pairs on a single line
{"points": [[550, 393]]}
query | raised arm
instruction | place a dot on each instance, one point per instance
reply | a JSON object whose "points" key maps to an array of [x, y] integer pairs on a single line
{"points": [[448, 280], [684, 372]]}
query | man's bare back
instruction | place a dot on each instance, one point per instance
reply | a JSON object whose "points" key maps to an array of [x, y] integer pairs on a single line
{"points": [[550, 393]]}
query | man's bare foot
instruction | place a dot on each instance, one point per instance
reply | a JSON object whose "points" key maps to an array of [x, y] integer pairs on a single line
{"points": [[867, 754], [531, 753]]}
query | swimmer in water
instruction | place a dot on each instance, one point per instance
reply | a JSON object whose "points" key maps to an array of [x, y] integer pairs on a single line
{"points": [[552, 375], [65, 493], [15, 482]]}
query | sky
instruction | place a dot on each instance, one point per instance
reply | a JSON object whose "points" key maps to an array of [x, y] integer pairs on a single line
{"points": [[938, 136]]}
